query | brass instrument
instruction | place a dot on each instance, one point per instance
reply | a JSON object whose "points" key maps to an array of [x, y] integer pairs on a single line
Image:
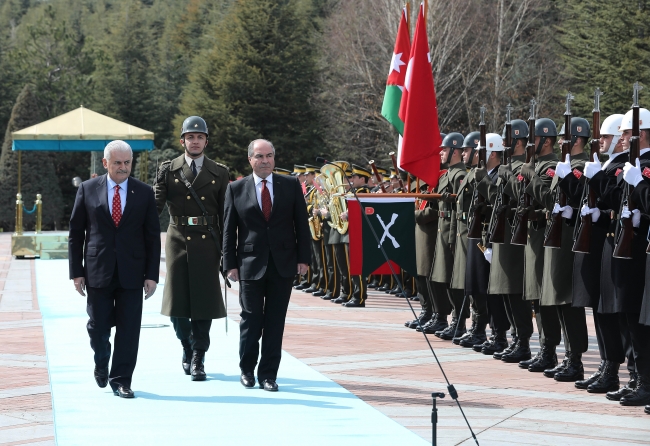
{"points": [[315, 221], [335, 184]]}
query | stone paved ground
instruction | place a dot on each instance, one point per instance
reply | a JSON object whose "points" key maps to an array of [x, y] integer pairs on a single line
{"points": [[366, 350]]}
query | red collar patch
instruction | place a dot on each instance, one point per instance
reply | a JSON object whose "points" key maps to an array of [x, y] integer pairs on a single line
{"points": [[577, 173], [520, 178], [646, 172], [550, 172], [618, 171]]}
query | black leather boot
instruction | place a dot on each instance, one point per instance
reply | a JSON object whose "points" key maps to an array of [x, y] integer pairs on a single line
{"points": [[546, 360], [551, 371], [607, 381], [584, 383], [497, 345], [521, 352], [477, 337], [528, 362], [440, 332], [198, 371], [574, 369], [437, 324], [187, 356], [468, 333], [508, 349], [625, 390], [423, 318], [454, 330], [641, 395]]}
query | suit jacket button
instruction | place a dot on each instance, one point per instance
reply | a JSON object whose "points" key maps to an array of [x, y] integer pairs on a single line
{"points": [[203, 236], [188, 197], [189, 238], [176, 180], [213, 181], [202, 198]]}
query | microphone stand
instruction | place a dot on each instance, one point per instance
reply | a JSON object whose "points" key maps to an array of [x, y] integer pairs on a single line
{"points": [[450, 387]]}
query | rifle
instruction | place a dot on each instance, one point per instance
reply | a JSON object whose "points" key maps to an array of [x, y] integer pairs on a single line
{"points": [[496, 232], [520, 229], [625, 230], [553, 237], [582, 234], [475, 223], [378, 177]]}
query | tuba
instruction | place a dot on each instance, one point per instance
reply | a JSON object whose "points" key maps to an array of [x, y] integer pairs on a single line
{"points": [[315, 224], [336, 183]]}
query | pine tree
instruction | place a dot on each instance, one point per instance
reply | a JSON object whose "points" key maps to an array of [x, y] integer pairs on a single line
{"points": [[38, 173], [256, 82]]}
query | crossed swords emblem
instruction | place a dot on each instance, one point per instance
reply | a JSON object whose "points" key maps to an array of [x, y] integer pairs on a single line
{"points": [[387, 231]]}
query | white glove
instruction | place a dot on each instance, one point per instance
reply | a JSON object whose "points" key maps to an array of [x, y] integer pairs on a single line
{"points": [[635, 215], [567, 211], [488, 255], [563, 168], [593, 167], [595, 212], [632, 174]]}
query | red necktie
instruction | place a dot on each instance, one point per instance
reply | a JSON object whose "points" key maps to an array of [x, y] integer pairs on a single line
{"points": [[266, 201], [117, 206]]}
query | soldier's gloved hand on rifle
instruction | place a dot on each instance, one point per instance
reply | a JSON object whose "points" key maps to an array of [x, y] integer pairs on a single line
{"points": [[447, 198], [528, 171], [632, 174], [481, 207], [480, 172], [488, 255], [505, 172], [567, 211], [593, 167], [634, 214], [530, 211], [563, 168], [595, 212]]}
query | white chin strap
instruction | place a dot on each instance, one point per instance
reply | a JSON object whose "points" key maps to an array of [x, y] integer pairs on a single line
{"points": [[613, 144]]}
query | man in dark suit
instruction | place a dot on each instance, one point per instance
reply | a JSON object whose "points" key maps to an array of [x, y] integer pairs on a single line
{"points": [[114, 250], [266, 242]]}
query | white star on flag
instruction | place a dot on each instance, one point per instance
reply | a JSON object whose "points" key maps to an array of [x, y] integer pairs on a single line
{"points": [[396, 62]]}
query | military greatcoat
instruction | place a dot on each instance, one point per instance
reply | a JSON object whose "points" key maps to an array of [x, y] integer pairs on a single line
{"points": [[443, 261], [193, 260], [507, 267], [463, 203]]}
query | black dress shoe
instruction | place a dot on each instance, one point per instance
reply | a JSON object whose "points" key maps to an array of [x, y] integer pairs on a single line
{"points": [[384, 287], [373, 285], [422, 318], [319, 293], [269, 385], [101, 376], [123, 392], [341, 299], [550, 373], [354, 303], [573, 371], [301, 287], [582, 384], [197, 368], [647, 409], [327, 296], [310, 290], [476, 338], [395, 290], [247, 380], [608, 380], [186, 362], [521, 352], [640, 396]]}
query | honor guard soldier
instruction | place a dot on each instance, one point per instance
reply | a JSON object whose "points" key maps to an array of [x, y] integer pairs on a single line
{"points": [[507, 260], [541, 167], [193, 187], [301, 282], [443, 262], [557, 289], [318, 278]]}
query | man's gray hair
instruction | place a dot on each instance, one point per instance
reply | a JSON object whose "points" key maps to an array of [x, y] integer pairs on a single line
{"points": [[117, 146], [252, 145]]}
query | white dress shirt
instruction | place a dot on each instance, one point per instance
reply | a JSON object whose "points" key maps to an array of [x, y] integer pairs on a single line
{"points": [[110, 184], [198, 162], [258, 187]]}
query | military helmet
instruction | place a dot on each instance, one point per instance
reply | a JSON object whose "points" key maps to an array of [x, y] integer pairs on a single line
{"points": [[453, 140], [442, 136], [579, 127], [519, 129], [194, 124], [612, 126], [545, 127], [644, 120], [472, 140], [494, 143]]}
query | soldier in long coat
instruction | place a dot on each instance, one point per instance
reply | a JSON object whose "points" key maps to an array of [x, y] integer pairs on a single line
{"points": [[192, 295], [443, 261]]}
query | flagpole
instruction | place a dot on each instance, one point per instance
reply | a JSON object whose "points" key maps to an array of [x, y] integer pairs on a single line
{"points": [[426, 10], [408, 16]]}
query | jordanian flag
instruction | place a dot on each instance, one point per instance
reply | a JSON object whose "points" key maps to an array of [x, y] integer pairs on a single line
{"points": [[393, 220], [397, 76]]}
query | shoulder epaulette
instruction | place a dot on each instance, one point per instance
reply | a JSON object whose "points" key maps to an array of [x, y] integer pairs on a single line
{"points": [[222, 165]]}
